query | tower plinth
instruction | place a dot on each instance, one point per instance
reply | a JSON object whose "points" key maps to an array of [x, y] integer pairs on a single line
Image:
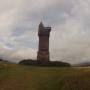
{"points": [[43, 48]]}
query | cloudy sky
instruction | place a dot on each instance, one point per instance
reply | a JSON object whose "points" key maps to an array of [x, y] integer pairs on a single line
{"points": [[69, 19]]}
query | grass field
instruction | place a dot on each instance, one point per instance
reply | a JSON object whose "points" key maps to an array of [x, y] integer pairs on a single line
{"points": [[20, 77]]}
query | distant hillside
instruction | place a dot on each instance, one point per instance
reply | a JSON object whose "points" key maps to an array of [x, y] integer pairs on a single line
{"points": [[22, 77], [83, 64], [1, 60]]}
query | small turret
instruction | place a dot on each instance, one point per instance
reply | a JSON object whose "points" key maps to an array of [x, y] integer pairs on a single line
{"points": [[43, 30], [41, 25]]}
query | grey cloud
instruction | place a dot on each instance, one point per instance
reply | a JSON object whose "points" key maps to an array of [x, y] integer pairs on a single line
{"points": [[18, 54], [69, 19]]}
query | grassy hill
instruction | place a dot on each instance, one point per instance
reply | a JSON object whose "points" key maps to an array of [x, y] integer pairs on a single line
{"points": [[20, 77]]}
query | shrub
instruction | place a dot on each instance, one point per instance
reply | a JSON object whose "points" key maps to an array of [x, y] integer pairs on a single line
{"points": [[43, 63]]}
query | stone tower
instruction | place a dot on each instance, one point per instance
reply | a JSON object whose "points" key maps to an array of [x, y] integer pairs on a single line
{"points": [[43, 49]]}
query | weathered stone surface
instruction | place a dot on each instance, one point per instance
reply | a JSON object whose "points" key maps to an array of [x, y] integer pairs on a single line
{"points": [[43, 49]]}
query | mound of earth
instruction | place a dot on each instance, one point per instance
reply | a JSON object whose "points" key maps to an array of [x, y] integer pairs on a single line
{"points": [[49, 63]]}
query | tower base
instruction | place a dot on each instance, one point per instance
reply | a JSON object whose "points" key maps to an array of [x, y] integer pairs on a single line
{"points": [[43, 56]]}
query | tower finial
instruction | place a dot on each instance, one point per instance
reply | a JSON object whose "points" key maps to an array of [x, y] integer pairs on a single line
{"points": [[41, 24]]}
